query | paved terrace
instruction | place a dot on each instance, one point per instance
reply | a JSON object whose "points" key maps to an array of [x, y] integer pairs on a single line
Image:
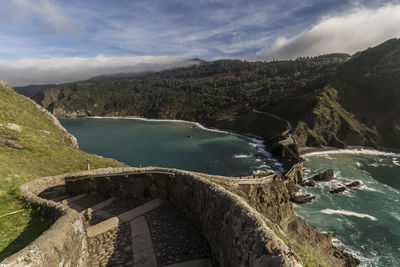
{"points": [[123, 232], [149, 217]]}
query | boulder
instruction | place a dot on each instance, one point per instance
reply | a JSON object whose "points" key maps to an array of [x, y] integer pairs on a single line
{"points": [[337, 190], [354, 184], [325, 176], [309, 182], [301, 199]]}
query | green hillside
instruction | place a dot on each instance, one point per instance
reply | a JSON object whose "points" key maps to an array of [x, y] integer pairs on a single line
{"points": [[222, 93], [31, 146], [331, 100]]}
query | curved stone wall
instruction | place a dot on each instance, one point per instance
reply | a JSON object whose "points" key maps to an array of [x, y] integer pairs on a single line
{"points": [[64, 243], [237, 234]]}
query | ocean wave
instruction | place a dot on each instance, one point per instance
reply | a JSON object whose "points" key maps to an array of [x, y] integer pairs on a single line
{"points": [[352, 151], [367, 188], [396, 161], [365, 261], [395, 215], [349, 213], [242, 156]]}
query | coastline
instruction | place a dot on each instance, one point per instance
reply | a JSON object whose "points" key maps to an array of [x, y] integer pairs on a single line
{"points": [[312, 151], [257, 140]]}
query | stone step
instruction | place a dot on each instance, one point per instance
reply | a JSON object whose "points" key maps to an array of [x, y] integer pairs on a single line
{"points": [[193, 263], [102, 227], [74, 206], [72, 199], [59, 198], [142, 245], [124, 217], [100, 205], [138, 211]]}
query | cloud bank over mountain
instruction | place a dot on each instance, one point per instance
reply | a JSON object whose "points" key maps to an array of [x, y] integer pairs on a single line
{"points": [[59, 70], [357, 30]]}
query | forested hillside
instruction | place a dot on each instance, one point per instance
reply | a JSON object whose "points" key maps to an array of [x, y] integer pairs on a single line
{"points": [[334, 100]]}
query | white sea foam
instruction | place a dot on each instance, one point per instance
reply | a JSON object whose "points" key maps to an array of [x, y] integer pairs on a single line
{"points": [[396, 215], [353, 151], [367, 188], [326, 156], [349, 213], [396, 161], [358, 164], [241, 156], [168, 120], [376, 165]]}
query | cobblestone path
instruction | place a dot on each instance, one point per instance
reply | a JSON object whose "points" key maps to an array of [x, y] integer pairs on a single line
{"points": [[123, 232]]}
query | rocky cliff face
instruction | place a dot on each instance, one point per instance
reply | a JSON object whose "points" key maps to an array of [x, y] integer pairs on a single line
{"points": [[329, 124], [272, 199]]}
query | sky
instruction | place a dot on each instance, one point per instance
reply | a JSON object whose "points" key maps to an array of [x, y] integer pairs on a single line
{"points": [[54, 41]]}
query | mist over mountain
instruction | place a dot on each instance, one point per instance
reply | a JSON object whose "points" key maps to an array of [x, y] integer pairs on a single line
{"points": [[335, 100]]}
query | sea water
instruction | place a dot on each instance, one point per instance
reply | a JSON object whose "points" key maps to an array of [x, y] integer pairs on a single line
{"points": [[364, 221], [173, 144]]}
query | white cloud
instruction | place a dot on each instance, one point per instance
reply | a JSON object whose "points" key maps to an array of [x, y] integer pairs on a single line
{"points": [[357, 30], [46, 11], [60, 70]]}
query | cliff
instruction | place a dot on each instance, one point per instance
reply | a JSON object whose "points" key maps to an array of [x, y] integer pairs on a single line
{"points": [[271, 197]]}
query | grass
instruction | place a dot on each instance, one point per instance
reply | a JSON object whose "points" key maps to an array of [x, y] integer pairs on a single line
{"points": [[48, 153], [309, 257]]}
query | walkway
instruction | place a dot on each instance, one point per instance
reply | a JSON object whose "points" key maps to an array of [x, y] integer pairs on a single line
{"points": [[123, 232], [288, 124]]}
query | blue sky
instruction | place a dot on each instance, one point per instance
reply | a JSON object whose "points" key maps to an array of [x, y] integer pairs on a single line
{"points": [[70, 32]]}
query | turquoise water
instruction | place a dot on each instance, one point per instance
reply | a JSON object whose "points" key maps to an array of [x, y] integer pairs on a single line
{"points": [[365, 222], [170, 144]]}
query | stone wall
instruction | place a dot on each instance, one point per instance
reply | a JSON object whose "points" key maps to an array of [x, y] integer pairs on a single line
{"points": [[64, 243], [238, 235]]}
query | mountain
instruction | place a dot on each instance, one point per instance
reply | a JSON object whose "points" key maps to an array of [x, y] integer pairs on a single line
{"points": [[369, 87], [31, 146], [32, 89], [330, 100]]}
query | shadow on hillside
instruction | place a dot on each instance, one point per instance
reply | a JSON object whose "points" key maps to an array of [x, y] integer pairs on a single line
{"points": [[36, 226]]}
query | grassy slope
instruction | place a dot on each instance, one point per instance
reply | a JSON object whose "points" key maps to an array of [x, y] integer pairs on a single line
{"points": [[48, 152]]}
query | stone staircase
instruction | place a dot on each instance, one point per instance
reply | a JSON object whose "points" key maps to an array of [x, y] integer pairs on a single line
{"points": [[123, 232]]}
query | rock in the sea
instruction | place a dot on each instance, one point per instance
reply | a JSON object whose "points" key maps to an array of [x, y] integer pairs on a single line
{"points": [[354, 184], [325, 176], [337, 190], [309, 182], [292, 189], [301, 199]]}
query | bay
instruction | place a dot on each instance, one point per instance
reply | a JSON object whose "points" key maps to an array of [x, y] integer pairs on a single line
{"points": [[171, 144]]}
